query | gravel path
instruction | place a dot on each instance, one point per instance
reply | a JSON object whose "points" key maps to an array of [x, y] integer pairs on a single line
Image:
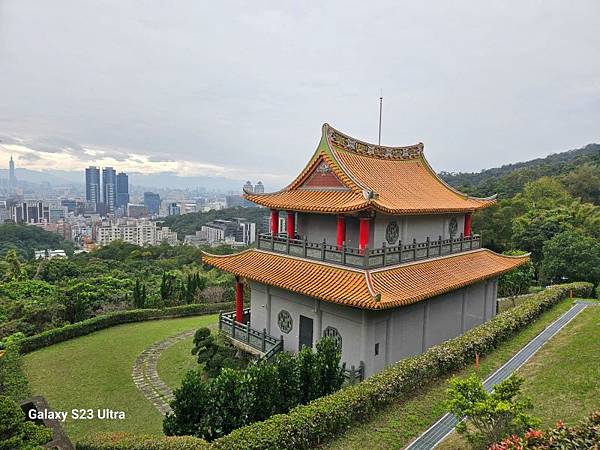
{"points": [[145, 374]]}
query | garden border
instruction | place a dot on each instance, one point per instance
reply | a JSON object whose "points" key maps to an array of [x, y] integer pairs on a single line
{"points": [[56, 335]]}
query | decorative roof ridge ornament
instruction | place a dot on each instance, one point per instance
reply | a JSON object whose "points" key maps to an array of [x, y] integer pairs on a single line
{"points": [[342, 141]]}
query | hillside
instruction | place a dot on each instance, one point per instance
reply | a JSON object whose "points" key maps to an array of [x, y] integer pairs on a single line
{"points": [[25, 239], [509, 179]]}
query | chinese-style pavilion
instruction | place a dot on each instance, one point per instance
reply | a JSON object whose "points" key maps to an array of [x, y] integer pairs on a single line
{"points": [[377, 252]]}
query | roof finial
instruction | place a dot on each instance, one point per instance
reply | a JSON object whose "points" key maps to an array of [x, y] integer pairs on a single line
{"points": [[380, 109]]}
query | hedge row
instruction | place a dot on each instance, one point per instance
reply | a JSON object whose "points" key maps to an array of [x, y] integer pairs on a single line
{"points": [[310, 425], [126, 441], [88, 326]]}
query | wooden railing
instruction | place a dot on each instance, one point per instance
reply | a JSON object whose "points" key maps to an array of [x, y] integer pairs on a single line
{"points": [[268, 345], [368, 258]]}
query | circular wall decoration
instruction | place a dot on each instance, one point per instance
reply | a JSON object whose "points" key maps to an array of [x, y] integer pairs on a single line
{"points": [[284, 320], [332, 332], [452, 227], [392, 231]]}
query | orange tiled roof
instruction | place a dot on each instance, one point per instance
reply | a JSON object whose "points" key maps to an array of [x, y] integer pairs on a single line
{"points": [[394, 180], [388, 287]]}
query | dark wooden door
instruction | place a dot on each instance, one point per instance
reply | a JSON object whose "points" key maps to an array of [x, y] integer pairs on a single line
{"points": [[306, 332]]}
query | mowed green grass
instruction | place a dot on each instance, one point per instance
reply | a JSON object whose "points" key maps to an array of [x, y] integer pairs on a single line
{"points": [[393, 427], [563, 377], [94, 371], [175, 362]]}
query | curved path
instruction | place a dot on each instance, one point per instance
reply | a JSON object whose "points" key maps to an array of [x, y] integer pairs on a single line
{"points": [[145, 374], [435, 434]]}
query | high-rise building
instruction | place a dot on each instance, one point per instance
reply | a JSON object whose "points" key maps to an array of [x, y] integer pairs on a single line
{"points": [[12, 178], [30, 212], [152, 202], [109, 188], [174, 209], [92, 185], [122, 190]]}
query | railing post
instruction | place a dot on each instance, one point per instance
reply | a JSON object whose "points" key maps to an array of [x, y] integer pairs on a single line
{"points": [[263, 342], [462, 238], [352, 375], [361, 367], [272, 241], [366, 257], [440, 242], [383, 248], [401, 247], [304, 247], [281, 342], [323, 249], [428, 246], [451, 245], [248, 333], [414, 249], [233, 327], [344, 252], [220, 323]]}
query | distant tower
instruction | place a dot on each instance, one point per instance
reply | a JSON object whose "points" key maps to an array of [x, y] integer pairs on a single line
{"points": [[109, 188], [122, 190], [92, 185], [248, 187], [259, 188], [12, 179]]}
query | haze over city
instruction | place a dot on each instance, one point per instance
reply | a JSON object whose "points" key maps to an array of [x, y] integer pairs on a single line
{"points": [[239, 90]]}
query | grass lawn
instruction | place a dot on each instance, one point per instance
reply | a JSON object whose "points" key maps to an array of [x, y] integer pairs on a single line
{"points": [[394, 426], [94, 371], [175, 361], [563, 377]]}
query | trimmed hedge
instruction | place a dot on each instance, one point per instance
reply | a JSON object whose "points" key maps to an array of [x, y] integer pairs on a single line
{"points": [[88, 326], [310, 425], [126, 441]]}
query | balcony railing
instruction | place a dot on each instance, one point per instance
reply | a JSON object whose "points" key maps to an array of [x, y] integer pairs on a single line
{"points": [[368, 258], [267, 345]]}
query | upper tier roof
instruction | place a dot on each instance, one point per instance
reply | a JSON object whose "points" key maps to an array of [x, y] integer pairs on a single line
{"points": [[388, 287], [346, 175]]}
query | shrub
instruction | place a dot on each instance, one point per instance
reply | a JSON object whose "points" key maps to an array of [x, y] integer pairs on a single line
{"points": [[517, 281], [213, 353], [88, 326], [585, 435], [126, 441], [236, 398], [13, 382], [489, 416], [18, 433]]}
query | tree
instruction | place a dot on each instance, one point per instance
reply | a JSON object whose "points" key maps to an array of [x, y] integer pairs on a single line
{"points": [[15, 270], [584, 182], [489, 416], [139, 294], [571, 256], [534, 228], [517, 281], [191, 407], [213, 354]]}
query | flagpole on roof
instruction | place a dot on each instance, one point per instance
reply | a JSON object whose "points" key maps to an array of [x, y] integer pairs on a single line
{"points": [[380, 109]]}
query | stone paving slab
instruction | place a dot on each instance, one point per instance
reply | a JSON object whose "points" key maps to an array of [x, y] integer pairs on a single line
{"points": [[145, 374]]}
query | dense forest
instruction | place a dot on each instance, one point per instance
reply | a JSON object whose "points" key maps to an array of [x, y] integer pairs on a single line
{"points": [[573, 167], [549, 207], [24, 240], [44, 294]]}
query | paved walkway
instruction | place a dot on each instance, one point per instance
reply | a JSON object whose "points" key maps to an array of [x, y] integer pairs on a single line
{"points": [[145, 375], [435, 434]]}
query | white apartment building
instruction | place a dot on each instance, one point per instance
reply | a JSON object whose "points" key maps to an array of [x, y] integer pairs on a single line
{"points": [[138, 233]]}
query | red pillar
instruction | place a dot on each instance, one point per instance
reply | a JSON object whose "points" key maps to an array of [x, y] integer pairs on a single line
{"points": [[364, 232], [467, 231], [274, 222], [239, 300], [341, 231], [291, 224]]}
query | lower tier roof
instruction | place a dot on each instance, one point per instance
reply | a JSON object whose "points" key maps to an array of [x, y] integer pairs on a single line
{"points": [[389, 287]]}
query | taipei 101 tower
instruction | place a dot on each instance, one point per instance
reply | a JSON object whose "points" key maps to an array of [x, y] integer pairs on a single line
{"points": [[12, 179]]}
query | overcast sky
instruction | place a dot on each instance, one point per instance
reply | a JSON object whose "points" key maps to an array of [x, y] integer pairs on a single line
{"points": [[240, 89]]}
